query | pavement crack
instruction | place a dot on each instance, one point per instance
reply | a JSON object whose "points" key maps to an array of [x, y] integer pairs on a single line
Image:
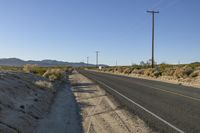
{"points": [[13, 128]]}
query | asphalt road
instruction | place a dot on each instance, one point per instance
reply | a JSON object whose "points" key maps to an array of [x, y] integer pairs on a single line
{"points": [[166, 107]]}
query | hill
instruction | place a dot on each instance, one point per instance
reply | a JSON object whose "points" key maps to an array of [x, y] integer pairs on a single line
{"points": [[19, 62]]}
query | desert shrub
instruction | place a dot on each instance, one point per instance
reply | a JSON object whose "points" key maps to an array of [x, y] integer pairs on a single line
{"points": [[44, 84], [168, 71], [164, 66], [35, 69], [195, 73], [157, 73], [197, 68], [54, 74], [127, 70], [194, 65], [149, 71], [137, 66], [183, 72], [52, 77], [110, 69], [120, 70], [138, 71], [10, 68], [30, 68], [68, 70]]}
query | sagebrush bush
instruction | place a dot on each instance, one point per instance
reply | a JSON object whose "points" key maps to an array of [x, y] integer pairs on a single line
{"points": [[30, 68], [127, 70], [183, 72], [195, 73], [35, 69], [149, 71], [54, 74], [169, 71], [44, 84]]}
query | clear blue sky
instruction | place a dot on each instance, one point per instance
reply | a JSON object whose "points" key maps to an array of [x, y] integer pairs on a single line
{"points": [[71, 30]]}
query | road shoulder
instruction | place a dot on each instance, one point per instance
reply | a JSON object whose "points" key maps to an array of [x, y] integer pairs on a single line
{"points": [[100, 113]]}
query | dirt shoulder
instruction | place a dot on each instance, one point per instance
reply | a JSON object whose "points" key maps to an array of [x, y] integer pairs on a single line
{"points": [[100, 113]]}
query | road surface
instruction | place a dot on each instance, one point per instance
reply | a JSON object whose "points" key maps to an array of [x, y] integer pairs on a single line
{"points": [[166, 107]]}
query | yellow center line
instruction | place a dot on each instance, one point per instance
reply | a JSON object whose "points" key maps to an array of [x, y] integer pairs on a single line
{"points": [[175, 93]]}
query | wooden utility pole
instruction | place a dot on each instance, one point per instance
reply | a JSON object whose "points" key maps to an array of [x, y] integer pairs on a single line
{"points": [[152, 12], [87, 61], [97, 58]]}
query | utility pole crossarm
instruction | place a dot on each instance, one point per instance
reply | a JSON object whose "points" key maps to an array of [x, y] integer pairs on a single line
{"points": [[152, 11]]}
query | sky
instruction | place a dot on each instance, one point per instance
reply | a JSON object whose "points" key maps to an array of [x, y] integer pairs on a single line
{"points": [[71, 30]]}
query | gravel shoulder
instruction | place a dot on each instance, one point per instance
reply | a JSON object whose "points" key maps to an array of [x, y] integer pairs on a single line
{"points": [[100, 113]]}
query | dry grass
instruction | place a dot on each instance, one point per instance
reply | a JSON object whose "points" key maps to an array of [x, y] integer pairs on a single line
{"points": [[52, 73], [29, 68], [44, 84]]}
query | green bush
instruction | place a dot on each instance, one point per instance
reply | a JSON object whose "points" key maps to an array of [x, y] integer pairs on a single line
{"points": [[10, 68]]}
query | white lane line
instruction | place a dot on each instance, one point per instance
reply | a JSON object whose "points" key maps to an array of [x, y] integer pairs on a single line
{"points": [[140, 106], [167, 91]]}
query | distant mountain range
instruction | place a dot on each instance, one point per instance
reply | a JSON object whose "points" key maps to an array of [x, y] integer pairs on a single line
{"points": [[19, 62]]}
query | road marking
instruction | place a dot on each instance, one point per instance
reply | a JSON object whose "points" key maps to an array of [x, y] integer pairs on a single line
{"points": [[140, 106], [179, 94]]}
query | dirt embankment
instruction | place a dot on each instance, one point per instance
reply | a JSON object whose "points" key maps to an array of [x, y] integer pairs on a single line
{"points": [[100, 113], [22, 102]]}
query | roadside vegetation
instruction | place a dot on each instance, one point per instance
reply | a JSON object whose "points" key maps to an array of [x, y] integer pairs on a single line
{"points": [[189, 73], [52, 73], [10, 68], [176, 71], [47, 74], [28, 91]]}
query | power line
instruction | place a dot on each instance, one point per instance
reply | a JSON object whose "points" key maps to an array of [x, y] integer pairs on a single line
{"points": [[152, 12]]}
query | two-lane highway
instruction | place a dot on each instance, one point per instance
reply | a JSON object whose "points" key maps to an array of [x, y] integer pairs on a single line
{"points": [[167, 107]]}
